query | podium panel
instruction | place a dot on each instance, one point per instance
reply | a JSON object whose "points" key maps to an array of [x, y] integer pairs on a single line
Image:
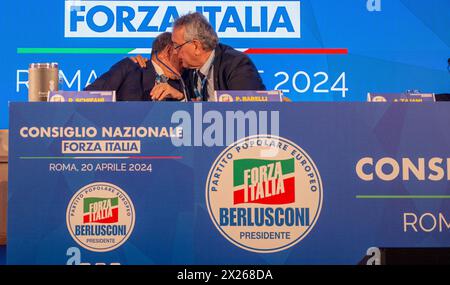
{"points": [[208, 183]]}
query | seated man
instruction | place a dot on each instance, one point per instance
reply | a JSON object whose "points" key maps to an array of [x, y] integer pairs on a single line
{"points": [[157, 81], [211, 65]]}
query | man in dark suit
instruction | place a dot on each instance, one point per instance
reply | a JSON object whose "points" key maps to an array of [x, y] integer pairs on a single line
{"points": [[210, 66], [158, 81]]}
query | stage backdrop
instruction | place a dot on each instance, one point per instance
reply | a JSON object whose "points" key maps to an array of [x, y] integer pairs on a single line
{"points": [[376, 45]]}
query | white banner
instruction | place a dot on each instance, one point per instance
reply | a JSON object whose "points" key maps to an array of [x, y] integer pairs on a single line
{"points": [[147, 19]]}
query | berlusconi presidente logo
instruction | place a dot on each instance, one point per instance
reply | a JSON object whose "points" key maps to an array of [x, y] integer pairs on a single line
{"points": [[264, 193], [100, 217]]}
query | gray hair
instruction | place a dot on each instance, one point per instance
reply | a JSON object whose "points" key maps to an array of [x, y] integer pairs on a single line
{"points": [[197, 27]]}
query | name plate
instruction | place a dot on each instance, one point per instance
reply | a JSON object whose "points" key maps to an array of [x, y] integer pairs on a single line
{"points": [[249, 96], [82, 96], [401, 97]]}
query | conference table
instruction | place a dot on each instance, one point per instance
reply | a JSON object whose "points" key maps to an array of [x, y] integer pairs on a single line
{"points": [[226, 183]]}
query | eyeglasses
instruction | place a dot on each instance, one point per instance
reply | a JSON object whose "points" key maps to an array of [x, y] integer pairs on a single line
{"points": [[178, 47]]}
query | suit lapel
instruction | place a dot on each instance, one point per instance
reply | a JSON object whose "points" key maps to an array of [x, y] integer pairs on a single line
{"points": [[148, 79], [216, 64]]}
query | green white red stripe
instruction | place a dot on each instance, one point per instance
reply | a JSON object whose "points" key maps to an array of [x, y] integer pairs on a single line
{"points": [[318, 51]]}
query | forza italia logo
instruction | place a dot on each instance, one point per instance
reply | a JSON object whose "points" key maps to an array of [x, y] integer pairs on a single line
{"points": [[100, 217], [264, 194]]}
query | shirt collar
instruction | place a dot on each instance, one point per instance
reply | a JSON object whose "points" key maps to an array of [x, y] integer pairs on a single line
{"points": [[158, 69], [207, 66]]}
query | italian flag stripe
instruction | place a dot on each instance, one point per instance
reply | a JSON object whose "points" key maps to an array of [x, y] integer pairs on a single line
{"points": [[113, 219], [286, 198], [134, 51]]}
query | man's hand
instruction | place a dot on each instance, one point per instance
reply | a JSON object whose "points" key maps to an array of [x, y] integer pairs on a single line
{"points": [[140, 60], [164, 91]]}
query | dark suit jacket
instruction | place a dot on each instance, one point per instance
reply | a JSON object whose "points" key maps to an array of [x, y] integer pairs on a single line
{"points": [[233, 70], [131, 82]]}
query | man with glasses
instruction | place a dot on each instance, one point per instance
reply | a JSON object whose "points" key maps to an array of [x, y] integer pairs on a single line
{"points": [[211, 65], [159, 81]]}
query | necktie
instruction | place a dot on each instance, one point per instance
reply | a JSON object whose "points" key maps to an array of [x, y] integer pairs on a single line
{"points": [[200, 85]]}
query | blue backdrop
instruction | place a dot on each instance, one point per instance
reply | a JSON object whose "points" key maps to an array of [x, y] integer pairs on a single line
{"points": [[392, 46]]}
